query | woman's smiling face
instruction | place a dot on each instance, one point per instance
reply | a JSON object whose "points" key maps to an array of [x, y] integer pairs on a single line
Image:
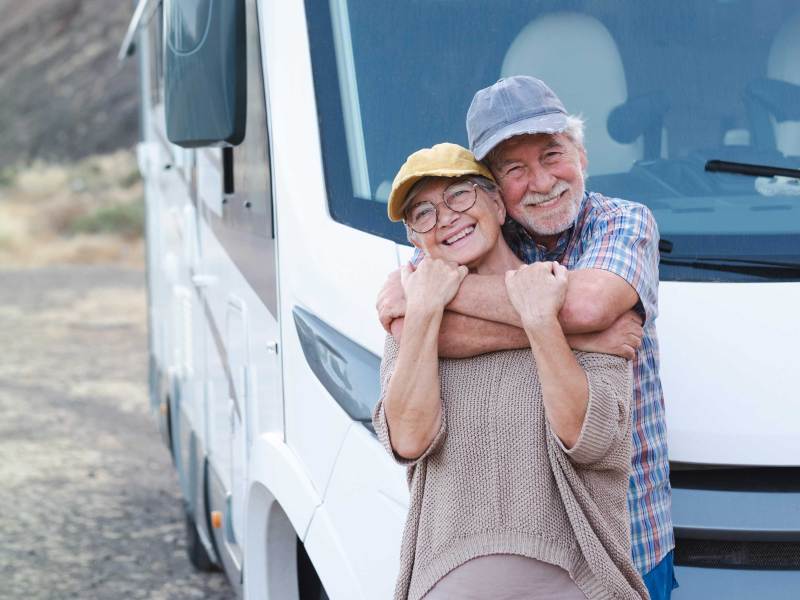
{"points": [[462, 237]]}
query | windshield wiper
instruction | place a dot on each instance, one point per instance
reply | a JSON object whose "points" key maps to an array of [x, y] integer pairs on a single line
{"points": [[723, 166], [746, 266]]}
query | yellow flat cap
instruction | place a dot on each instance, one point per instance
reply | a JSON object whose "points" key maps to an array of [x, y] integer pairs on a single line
{"points": [[442, 160]]}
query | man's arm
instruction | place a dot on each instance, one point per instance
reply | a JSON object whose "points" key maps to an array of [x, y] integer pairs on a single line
{"points": [[470, 336], [595, 299], [618, 270]]}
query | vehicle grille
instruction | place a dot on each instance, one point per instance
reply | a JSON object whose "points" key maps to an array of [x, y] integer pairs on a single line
{"points": [[742, 479], [725, 554]]}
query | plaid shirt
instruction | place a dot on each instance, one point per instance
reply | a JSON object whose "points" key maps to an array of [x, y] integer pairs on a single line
{"points": [[622, 237]]}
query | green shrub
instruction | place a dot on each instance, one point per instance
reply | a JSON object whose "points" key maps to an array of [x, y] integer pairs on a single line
{"points": [[122, 219], [131, 179], [7, 176]]}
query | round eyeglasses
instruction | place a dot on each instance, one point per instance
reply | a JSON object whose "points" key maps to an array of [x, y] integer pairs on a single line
{"points": [[459, 197]]}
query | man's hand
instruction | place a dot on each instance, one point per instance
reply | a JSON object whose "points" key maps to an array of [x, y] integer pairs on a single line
{"points": [[391, 302], [623, 338]]}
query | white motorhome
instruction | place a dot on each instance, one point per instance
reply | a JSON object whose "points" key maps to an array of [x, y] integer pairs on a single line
{"points": [[270, 132]]}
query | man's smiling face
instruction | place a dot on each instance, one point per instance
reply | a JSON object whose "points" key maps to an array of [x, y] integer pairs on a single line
{"points": [[541, 178]]}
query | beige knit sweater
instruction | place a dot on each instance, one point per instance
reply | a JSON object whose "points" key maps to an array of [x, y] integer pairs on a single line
{"points": [[496, 480]]}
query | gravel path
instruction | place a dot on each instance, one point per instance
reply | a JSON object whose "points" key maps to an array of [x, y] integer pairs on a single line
{"points": [[89, 500]]}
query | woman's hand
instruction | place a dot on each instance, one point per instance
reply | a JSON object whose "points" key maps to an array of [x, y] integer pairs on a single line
{"points": [[433, 284], [412, 402], [537, 292]]}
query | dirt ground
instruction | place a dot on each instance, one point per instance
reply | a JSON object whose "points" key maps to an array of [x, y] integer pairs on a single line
{"points": [[89, 500]]}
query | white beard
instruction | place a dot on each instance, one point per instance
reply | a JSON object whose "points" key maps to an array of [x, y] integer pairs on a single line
{"points": [[561, 218]]}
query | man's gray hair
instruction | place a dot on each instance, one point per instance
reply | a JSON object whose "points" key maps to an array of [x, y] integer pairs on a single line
{"points": [[573, 130]]}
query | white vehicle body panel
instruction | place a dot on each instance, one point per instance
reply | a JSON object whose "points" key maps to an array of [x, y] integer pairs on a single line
{"points": [[349, 266], [729, 371], [367, 487]]}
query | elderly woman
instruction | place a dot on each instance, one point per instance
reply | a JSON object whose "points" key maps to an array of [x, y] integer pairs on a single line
{"points": [[517, 460]]}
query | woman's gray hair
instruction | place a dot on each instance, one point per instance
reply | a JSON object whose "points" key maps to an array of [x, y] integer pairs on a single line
{"points": [[486, 184]]}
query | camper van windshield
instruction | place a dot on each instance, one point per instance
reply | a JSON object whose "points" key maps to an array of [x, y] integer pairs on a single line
{"points": [[664, 88]]}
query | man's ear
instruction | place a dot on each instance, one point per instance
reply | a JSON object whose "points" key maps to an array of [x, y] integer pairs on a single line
{"points": [[583, 159]]}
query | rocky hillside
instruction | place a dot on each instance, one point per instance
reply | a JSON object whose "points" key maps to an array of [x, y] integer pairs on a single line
{"points": [[63, 94]]}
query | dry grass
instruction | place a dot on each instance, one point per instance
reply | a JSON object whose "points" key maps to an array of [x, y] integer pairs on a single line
{"points": [[87, 212]]}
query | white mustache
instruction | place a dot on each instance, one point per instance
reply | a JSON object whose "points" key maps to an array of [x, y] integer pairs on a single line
{"points": [[531, 199]]}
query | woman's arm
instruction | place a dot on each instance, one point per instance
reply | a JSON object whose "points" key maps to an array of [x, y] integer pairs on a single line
{"points": [[537, 292], [565, 390], [604, 442], [586, 398], [412, 403]]}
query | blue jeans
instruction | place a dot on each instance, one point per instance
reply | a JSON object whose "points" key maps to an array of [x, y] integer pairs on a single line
{"points": [[660, 581]]}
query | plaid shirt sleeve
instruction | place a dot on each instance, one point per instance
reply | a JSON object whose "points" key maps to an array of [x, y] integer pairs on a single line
{"points": [[624, 241]]}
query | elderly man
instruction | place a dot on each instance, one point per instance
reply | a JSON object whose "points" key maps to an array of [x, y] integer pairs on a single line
{"points": [[534, 149]]}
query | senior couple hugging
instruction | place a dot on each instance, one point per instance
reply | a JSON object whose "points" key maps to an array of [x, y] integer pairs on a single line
{"points": [[519, 382]]}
